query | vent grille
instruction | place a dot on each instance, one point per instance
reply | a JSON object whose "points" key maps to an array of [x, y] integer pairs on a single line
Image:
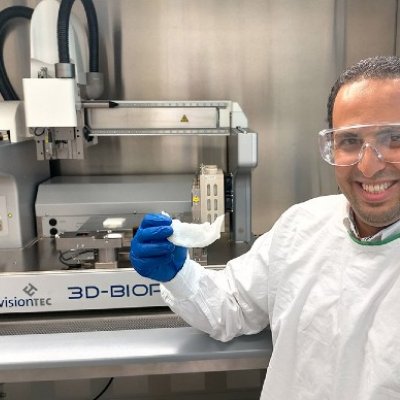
{"points": [[89, 322]]}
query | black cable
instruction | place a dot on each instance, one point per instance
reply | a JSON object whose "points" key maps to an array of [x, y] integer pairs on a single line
{"points": [[75, 254], [64, 15], [6, 89], [93, 28], [104, 390]]}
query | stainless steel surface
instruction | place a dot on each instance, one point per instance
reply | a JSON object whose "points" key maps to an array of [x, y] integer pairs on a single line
{"points": [[159, 132], [42, 255], [126, 353], [156, 104], [88, 240], [89, 321], [20, 174], [280, 72], [81, 204], [103, 244], [48, 143], [160, 118], [154, 117]]}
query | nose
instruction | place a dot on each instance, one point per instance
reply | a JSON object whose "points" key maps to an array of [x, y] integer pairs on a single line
{"points": [[370, 162]]}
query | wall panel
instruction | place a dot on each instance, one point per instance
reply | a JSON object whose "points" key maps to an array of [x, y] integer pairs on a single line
{"points": [[277, 58]]}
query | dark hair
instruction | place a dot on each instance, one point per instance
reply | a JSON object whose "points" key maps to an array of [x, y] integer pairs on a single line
{"points": [[380, 67]]}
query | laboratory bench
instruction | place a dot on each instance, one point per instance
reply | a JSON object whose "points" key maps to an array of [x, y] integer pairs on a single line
{"points": [[84, 344], [118, 343]]}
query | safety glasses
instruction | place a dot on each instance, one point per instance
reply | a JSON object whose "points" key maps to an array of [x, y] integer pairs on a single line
{"points": [[346, 146]]}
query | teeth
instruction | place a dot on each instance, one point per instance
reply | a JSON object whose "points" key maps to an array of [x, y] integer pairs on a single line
{"points": [[375, 188]]}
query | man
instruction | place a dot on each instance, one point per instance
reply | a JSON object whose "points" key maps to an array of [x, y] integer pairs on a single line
{"points": [[326, 276]]}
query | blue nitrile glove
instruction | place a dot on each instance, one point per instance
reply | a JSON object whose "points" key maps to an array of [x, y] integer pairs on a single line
{"points": [[152, 255]]}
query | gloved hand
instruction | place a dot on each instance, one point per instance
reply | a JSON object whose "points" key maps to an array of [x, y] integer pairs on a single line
{"points": [[152, 255]]}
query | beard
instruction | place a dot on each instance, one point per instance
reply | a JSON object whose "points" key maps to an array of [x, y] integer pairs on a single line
{"points": [[376, 218]]}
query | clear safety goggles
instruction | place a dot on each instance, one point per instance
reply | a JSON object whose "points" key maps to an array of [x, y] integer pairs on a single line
{"points": [[346, 146]]}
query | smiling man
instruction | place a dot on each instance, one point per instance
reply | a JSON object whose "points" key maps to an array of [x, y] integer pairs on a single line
{"points": [[326, 277], [365, 102]]}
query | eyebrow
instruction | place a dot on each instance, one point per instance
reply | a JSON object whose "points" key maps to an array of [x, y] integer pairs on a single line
{"points": [[347, 133]]}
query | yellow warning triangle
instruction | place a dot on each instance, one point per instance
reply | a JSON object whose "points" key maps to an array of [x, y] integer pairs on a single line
{"points": [[184, 118]]}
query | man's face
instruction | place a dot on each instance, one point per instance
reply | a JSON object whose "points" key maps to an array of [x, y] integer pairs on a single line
{"points": [[372, 186]]}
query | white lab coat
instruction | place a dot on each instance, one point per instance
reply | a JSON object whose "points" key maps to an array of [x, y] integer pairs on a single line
{"points": [[333, 305]]}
